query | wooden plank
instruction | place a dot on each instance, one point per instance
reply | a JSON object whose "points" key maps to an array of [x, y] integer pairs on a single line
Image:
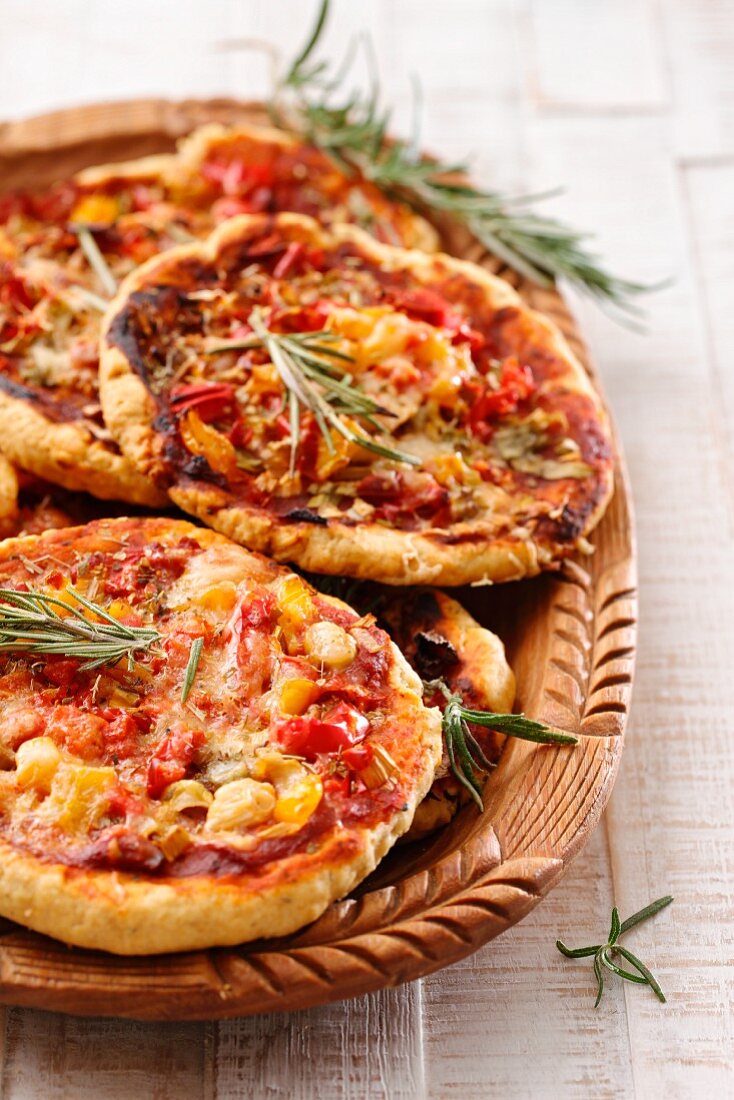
{"points": [[167, 49], [698, 39], [596, 57], [467, 58], [60, 1057], [671, 814], [368, 1047], [3, 1045], [709, 193], [517, 1020]]}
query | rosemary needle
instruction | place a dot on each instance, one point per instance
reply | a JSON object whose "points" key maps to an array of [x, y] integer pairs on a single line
{"points": [[191, 668]]}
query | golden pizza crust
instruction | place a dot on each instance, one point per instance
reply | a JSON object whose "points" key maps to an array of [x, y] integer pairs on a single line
{"points": [[467, 553], [67, 455], [8, 497], [154, 166], [128, 914], [183, 171], [111, 911]]}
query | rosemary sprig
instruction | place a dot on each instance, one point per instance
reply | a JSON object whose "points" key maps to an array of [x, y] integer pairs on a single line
{"points": [[96, 260], [604, 953], [464, 751], [352, 129], [309, 367], [191, 668], [30, 623]]}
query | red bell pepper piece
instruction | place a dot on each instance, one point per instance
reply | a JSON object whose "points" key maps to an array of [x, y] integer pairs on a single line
{"points": [[172, 759], [237, 177], [516, 384], [289, 259], [210, 399], [340, 728], [424, 304], [358, 757]]}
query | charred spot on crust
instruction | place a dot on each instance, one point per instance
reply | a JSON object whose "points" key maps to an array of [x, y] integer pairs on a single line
{"points": [[466, 687], [176, 458], [434, 655], [427, 609], [53, 405], [196, 468], [571, 524], [16, 389], [165, 423], [305, 515], [404, 621], [136, 329]]}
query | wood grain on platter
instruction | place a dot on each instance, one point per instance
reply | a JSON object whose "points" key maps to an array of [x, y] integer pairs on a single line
{"points": [[570, 638]]}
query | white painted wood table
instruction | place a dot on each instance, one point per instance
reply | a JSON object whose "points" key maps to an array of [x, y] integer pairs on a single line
{"points": [[630, 103]]}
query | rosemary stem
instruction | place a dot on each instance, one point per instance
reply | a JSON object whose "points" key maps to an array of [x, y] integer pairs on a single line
{"points": [[96, 260]]}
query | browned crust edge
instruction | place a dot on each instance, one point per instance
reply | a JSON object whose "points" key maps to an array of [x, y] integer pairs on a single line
{"points": [[368, 551], [126, 915]]}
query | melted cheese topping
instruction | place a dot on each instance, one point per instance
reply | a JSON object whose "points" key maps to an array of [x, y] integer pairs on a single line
{"points": [[111, 766], [504, 440], [51, 348]]}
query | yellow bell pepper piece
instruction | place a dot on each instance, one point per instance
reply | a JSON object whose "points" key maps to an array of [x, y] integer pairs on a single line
{"points": [[201, 439], [119, 609], [80, 795], [296, 606], [220, 597], [299, 791], [297, 695], [299, 800], [36, 763], [96, 210]]}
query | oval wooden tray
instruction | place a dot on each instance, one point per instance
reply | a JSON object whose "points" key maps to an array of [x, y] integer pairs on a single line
{"points": [[570, 638]]}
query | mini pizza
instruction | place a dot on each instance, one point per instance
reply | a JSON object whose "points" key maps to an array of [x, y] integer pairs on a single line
{"points": [[434, 632], [63, 251], [261, 170], [197, 747], [61, 254], [355, 408]]}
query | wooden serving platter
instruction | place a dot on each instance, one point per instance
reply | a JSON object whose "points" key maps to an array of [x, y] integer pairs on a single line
{"points": [[570, 638]]}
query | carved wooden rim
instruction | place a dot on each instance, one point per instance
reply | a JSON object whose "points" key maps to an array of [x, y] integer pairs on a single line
{"points": [[571, 637]]}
